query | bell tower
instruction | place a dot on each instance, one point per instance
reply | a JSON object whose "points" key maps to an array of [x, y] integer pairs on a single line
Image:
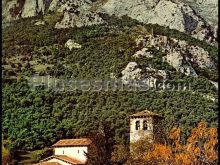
{"points": [[144, 124]]}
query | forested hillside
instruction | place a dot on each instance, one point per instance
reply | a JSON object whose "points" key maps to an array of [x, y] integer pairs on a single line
{"points": [[34, 119]]}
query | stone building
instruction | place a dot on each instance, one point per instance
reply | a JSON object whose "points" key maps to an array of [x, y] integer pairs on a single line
{"points": [[144, 124], [68, 152]]}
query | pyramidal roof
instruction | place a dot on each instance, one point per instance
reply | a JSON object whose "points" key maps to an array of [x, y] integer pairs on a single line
{"points": [[146, 113]]}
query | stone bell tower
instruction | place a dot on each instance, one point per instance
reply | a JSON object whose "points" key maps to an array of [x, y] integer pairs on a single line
{"points": [[144, 124]]}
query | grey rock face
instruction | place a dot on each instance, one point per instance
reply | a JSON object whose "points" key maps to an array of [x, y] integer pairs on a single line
{"points": [[131, 72], [179, 54], [75, 13], [176, 59], [207, 9], [174, 14], [32, 8], [16, 9], [82, 19], [133, 75], [143, 53], [69, 5], [194, 17], [8, 6]]}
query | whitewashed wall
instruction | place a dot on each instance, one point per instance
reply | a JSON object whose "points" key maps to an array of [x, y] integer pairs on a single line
{"points": [[74, 152], [58, 161]]}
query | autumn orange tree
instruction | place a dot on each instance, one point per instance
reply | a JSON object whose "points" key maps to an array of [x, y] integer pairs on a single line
{"points": [[199, 149], [6, 155]]}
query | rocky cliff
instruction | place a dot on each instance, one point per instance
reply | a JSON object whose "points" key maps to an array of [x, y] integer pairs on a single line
{"points": [[197, 18], [181, 55], [174, 14]]}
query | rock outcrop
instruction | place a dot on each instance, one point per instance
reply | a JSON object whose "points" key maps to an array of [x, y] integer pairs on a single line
{"points": [[131, 72], [32, 8], [207, 9], [143, 53], [40, 22], [146, 77], [176, 59], [15, 9], [75, 13], [81, 19], [173, 14], [179, 53], [11, 10], [71, 44]]}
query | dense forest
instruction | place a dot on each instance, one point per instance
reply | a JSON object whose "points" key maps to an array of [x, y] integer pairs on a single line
{"points": [[35, 119]]}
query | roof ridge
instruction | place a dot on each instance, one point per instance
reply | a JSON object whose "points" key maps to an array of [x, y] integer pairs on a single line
{"points": [[145, 112], [62, 158], [75, 139], [73, 142]]}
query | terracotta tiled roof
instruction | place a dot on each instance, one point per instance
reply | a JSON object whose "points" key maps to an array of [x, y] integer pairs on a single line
{"points": [[146, 113], [62, 158], [48, 163], [72, 142]]}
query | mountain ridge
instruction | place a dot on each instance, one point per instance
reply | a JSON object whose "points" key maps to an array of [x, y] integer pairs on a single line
{"points": [[195, 19]]}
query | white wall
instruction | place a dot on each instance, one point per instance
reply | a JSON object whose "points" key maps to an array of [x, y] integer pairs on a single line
{"points": [[74, 152], [58, 161]]}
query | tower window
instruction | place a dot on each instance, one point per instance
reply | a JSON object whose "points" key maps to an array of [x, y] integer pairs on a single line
{"points": [[78, 151], [137, 125], [145, 126], [63, 152]]}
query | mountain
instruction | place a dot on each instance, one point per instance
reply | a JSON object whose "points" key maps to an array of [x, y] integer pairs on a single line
{"points": [[198, 18], [105, 41]]}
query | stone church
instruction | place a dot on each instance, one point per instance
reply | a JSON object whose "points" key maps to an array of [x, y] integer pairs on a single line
{"points": [[73, 151]]}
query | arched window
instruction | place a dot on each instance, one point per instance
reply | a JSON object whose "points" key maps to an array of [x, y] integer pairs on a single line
{"points": [[137, 125], [145, 126]]}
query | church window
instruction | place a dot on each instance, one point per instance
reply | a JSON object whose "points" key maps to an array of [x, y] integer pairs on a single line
{"points": [[137, 125], [145, 126]]}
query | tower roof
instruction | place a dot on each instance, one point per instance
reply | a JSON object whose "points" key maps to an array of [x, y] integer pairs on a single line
{"points": [[146, 113]]}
